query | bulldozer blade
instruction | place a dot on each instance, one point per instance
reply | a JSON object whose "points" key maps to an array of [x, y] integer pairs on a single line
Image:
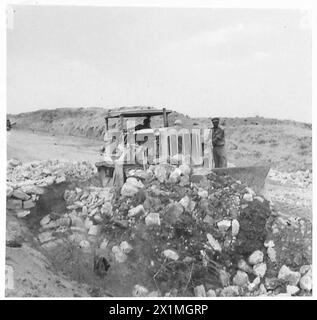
{"points": [[253, 176]]}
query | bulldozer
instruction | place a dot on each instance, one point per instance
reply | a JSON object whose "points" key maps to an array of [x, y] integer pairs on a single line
{"points": [[127, 148]]}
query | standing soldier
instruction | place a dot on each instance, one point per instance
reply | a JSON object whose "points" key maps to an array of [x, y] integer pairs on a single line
{"points": [[218, 145]]}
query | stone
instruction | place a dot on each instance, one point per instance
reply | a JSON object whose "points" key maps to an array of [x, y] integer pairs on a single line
{"points": [[260, 269], [64, 221], [269, 244], [60, 179], [262, 290], [76, 237], [132, 181], [289, 276], [98, 218], [106, 209], [120, 256], [213, 243], [88, 223], [14, 204], [153, 219], [175, 175], [94, 230], [231, 291], [258, 198], [52, 244], [271, 252], [138, 210], [85, 245], [224, 278], [240, 279], [171, 254], [185, 202], [248, 197], [125, 247], [46, 236], [224, 225], [235, 226], [9, 191], [209, 220], [45, 220], [104, 244], [46, 171], [242, 265], [14, 162], [51, 225], [184, 181], [272, 283], [32, 189], [173, 213], [23, 213], [202, 193], [185, 169], [139, 291], [256, 257], [188, 259], [254, 285], [304, 269], [211, 293], [160, 173], [306, 282], [250, 191], [91, 213], [28, 204], [129, 190], [19, 194], [292, 290], [84, 211], [200, 291], [48, 181]]}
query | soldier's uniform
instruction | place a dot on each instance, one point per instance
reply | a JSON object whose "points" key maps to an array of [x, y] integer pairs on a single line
{"points": [[218, 144]]}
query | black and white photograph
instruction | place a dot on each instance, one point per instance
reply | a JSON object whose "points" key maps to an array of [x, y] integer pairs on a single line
{"points": [[158, 152]]}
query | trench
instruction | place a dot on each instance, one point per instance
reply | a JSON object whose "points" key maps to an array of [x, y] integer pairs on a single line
{"points": [[77, 264]]}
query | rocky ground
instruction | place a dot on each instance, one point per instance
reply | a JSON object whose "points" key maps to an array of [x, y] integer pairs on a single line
{"points": [[167, 232]]}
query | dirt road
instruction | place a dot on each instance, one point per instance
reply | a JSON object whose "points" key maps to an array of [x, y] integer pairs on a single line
{"points": [[28, 146]]}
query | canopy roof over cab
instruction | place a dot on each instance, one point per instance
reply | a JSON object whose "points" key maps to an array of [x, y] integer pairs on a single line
{"points": [[136, 113]]}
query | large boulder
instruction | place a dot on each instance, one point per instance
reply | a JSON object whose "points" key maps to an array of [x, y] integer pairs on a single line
{"points": [[289, 276]]}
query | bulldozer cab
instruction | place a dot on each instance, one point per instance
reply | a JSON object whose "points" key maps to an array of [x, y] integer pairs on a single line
{"points": [[166, 145], [163, 144]]}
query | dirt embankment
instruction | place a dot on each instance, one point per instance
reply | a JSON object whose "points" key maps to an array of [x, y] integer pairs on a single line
{"points": [[285, 145]]}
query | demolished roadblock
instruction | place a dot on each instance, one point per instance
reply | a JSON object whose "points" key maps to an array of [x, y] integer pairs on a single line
{"points": [[172, 232]]}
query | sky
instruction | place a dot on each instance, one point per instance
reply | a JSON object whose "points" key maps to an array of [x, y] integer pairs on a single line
{"points": [[202, 62]]}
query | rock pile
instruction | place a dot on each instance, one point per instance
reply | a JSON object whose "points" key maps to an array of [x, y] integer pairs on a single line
{"points": [[209, 236], [299, 178], [86, 212], [26, 182], [184, 234]]}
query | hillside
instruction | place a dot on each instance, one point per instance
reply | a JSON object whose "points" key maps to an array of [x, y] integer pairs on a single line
{"points": [[284, 144]]}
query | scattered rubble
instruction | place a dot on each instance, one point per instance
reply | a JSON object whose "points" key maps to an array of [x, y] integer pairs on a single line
{"points": [[299, 178], [189, 234]]}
